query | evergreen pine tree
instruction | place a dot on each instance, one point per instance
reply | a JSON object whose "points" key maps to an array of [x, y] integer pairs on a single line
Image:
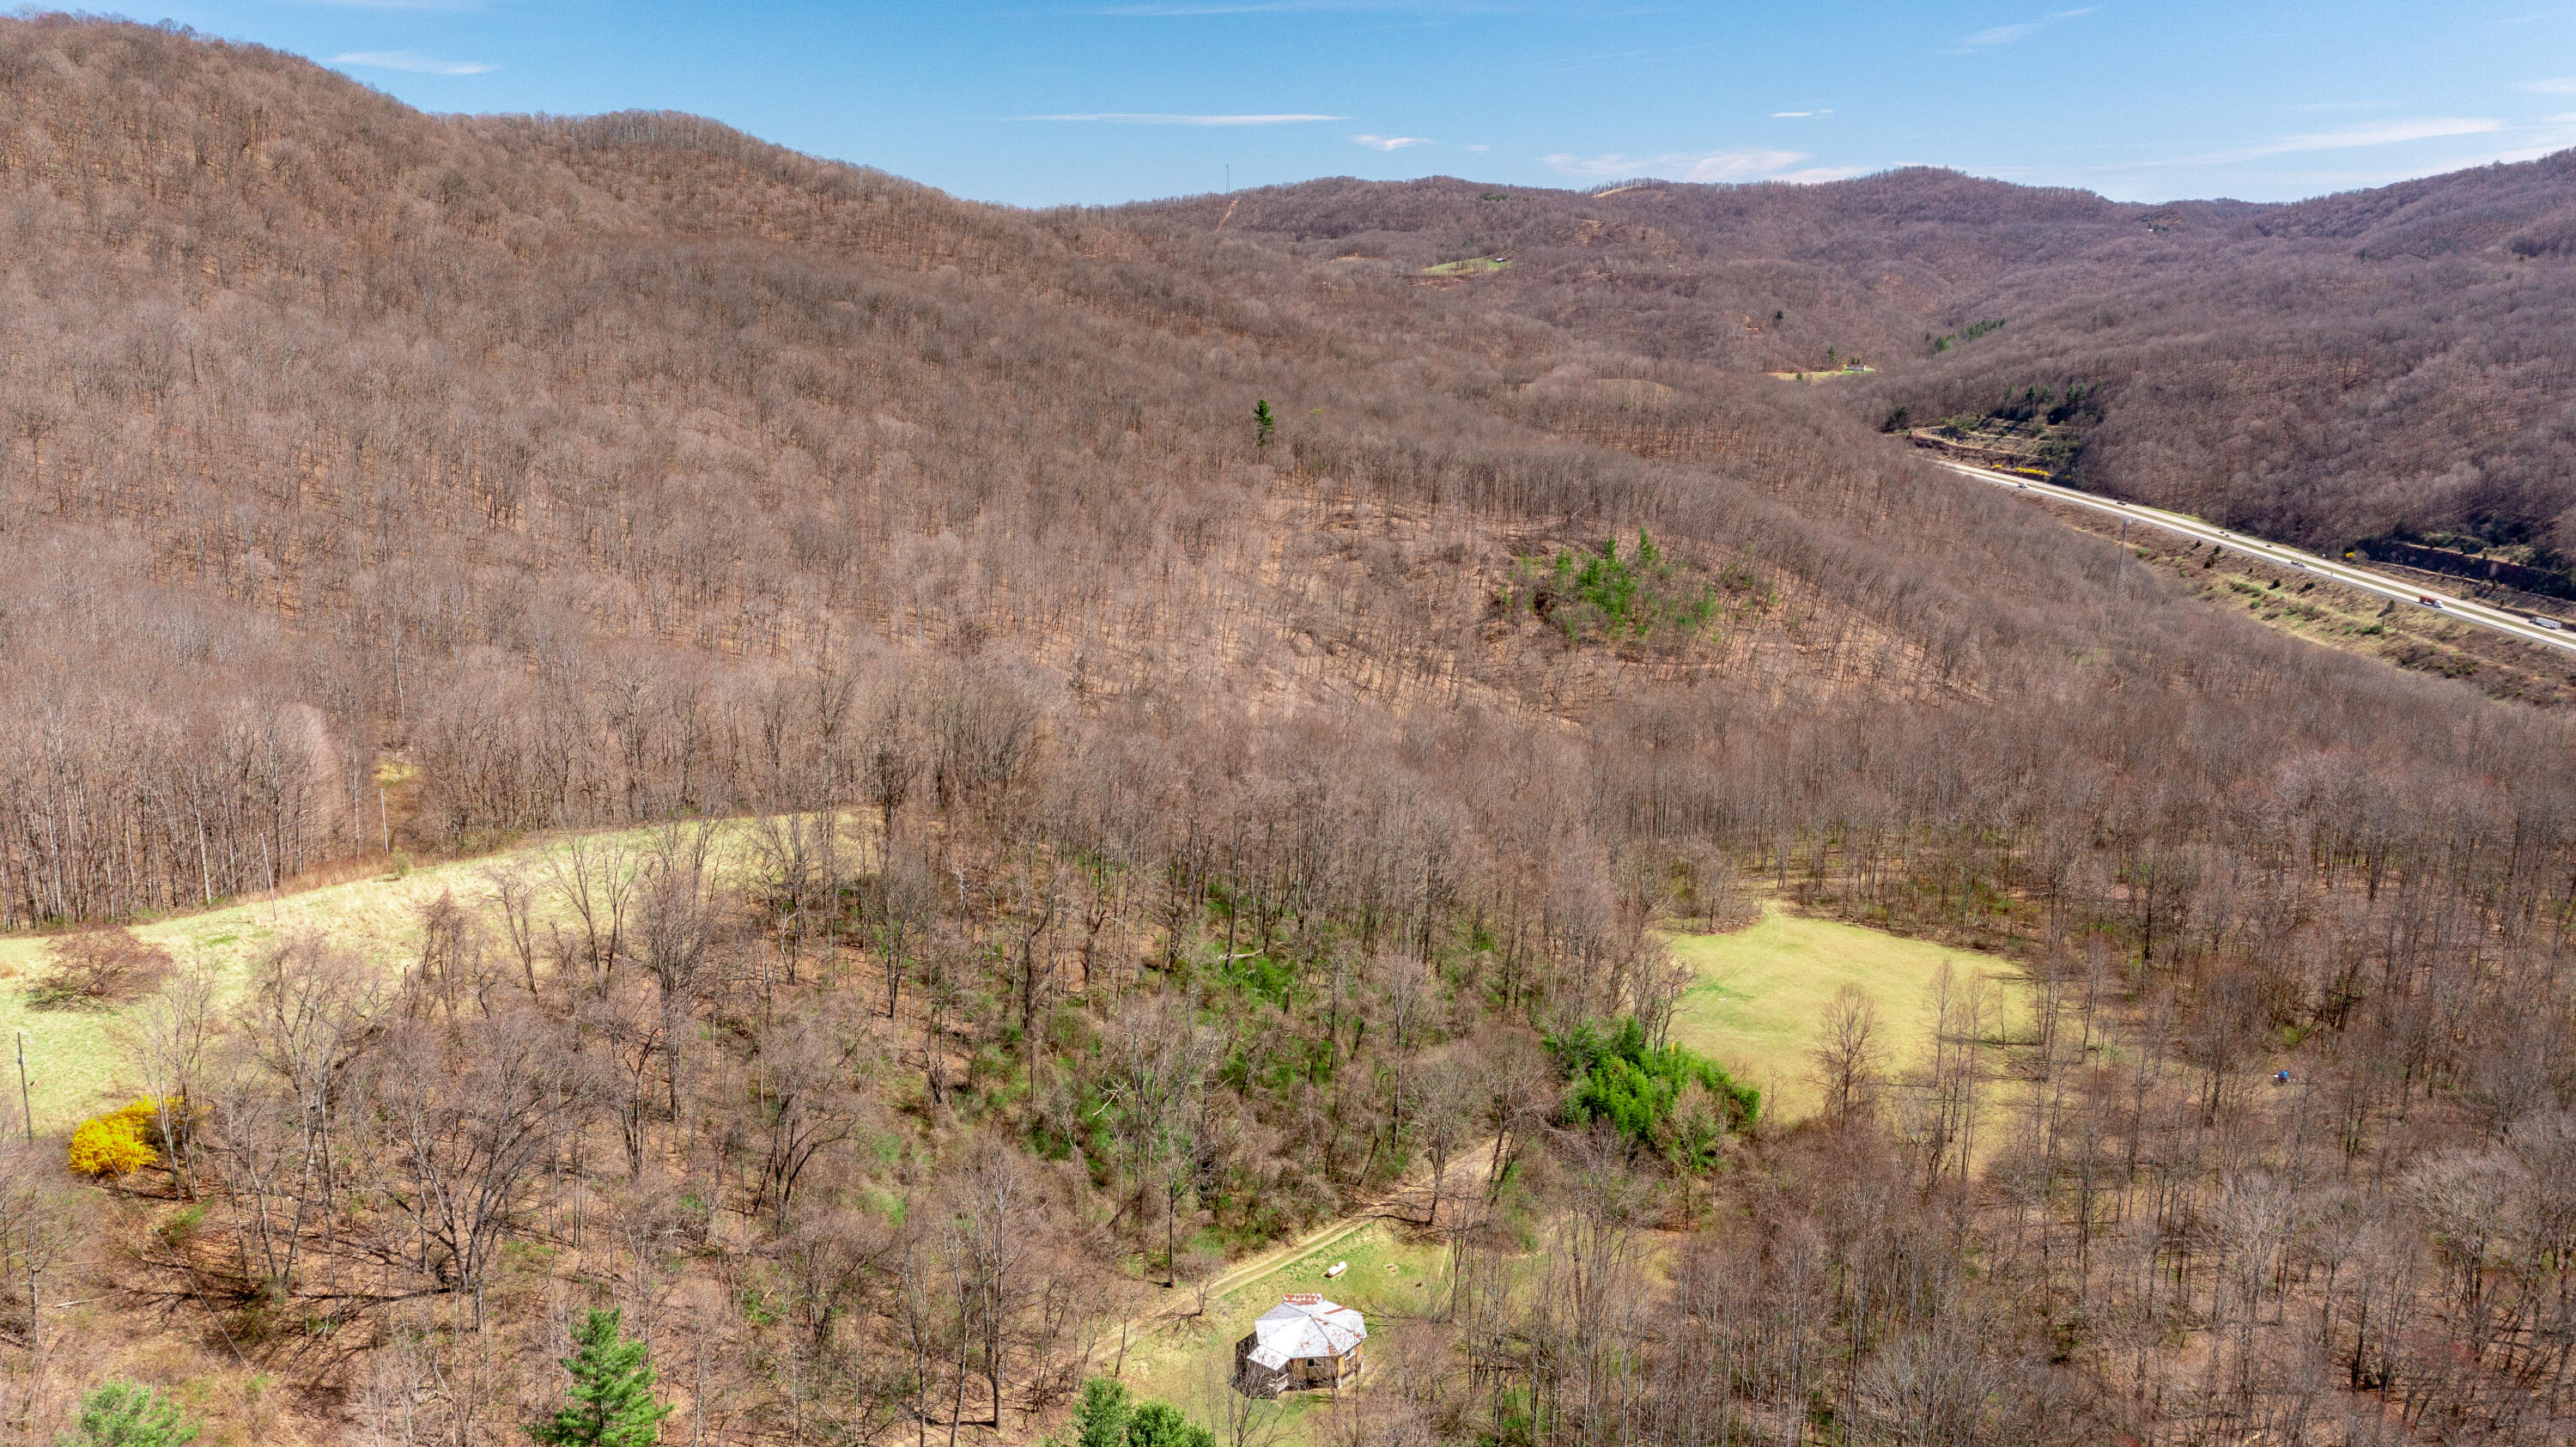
{"points": [[121, 1414], [1264, 422], [611, 1391]]}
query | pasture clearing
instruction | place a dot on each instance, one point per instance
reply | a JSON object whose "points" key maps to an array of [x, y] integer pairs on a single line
{"points": [[77, 1065], [1761, 991]]}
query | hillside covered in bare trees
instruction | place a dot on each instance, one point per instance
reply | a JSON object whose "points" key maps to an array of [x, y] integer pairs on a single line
{"points": [[2389, 363], [1023, 756]]}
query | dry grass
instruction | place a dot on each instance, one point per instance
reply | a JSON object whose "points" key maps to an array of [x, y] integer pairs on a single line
{"points": [[75, 1062], [2305, 606]]}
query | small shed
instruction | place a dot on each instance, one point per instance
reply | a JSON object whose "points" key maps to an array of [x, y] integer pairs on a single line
{"points": [[1304, 1341]]}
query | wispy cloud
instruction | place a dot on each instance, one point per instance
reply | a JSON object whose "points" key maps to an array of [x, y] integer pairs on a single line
{"points": [[1153, 9], [2309, 164], [2002, 35], [2019, 30], [1797, 115], [1753, 164], [1150, 118], [414, 62], [1392, 143], [2563, 85], [1480, 150], [2375, 133], [2343, 138], [1629, 58]]}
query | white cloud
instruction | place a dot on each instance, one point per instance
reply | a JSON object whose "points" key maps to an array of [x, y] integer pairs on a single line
{"points": [[1606, 57], [1156, 9], [2002, 34], [413, 62], [1744, 165], [2375, 133], [1478, 149], [1392, 143], [2563, 85], [2020, 30], [2290, 167], [1797, 115], [1146, 118], [2371, 133]]}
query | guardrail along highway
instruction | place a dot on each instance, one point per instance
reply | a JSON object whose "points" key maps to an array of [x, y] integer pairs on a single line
{"points": [[2467, 610]]}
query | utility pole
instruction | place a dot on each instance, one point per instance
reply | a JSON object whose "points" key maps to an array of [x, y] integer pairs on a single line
{"points": [[25, 1107]]}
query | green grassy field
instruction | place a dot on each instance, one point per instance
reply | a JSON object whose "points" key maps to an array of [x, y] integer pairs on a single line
{"points": [[1472, 266], [1762, 991], [1392, 1281], [76, 1064]]}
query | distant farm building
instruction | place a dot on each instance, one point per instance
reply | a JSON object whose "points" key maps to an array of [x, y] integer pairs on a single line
{"points": [[1304, 1341]]}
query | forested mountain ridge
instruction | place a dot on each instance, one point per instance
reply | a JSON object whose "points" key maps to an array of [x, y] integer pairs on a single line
{"points": [[2381, 362], [1750, 277], [1207, 729], [725, 401]]}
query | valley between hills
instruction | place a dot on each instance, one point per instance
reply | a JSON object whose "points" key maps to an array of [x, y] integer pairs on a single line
{"points": [[599, 715]]}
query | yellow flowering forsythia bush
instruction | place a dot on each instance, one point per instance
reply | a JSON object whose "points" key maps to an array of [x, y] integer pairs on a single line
{"points": [[122, 1140]]}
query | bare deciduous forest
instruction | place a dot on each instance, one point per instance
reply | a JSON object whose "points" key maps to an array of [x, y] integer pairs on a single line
{"points": [[1027, 832], [2377, 363]]}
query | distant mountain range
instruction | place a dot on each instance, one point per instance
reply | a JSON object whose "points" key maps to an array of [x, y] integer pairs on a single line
{"points": [[2398, 361]]}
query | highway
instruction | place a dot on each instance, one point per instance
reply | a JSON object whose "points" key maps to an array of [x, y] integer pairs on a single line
{"points": [[2467, 610]]}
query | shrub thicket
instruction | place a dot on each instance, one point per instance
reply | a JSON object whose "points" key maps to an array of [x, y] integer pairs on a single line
{"points": [[119, 1142], [1664, 1098]]}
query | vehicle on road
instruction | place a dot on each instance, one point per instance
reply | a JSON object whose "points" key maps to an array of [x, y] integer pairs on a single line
{"points": [[2545, 621], [2428, 600]]}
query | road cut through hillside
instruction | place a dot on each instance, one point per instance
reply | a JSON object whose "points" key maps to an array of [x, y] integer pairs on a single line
{"points": [[2467, 610]]}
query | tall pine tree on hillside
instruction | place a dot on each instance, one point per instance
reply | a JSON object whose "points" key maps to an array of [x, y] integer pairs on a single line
{"points": [[611, 1391]]}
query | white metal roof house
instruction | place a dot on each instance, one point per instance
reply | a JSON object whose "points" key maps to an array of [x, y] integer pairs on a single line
{"points": [[1304, 1341]]}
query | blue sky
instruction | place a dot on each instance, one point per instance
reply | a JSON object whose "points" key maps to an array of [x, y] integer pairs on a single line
{"points": [[1036, 102]]}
